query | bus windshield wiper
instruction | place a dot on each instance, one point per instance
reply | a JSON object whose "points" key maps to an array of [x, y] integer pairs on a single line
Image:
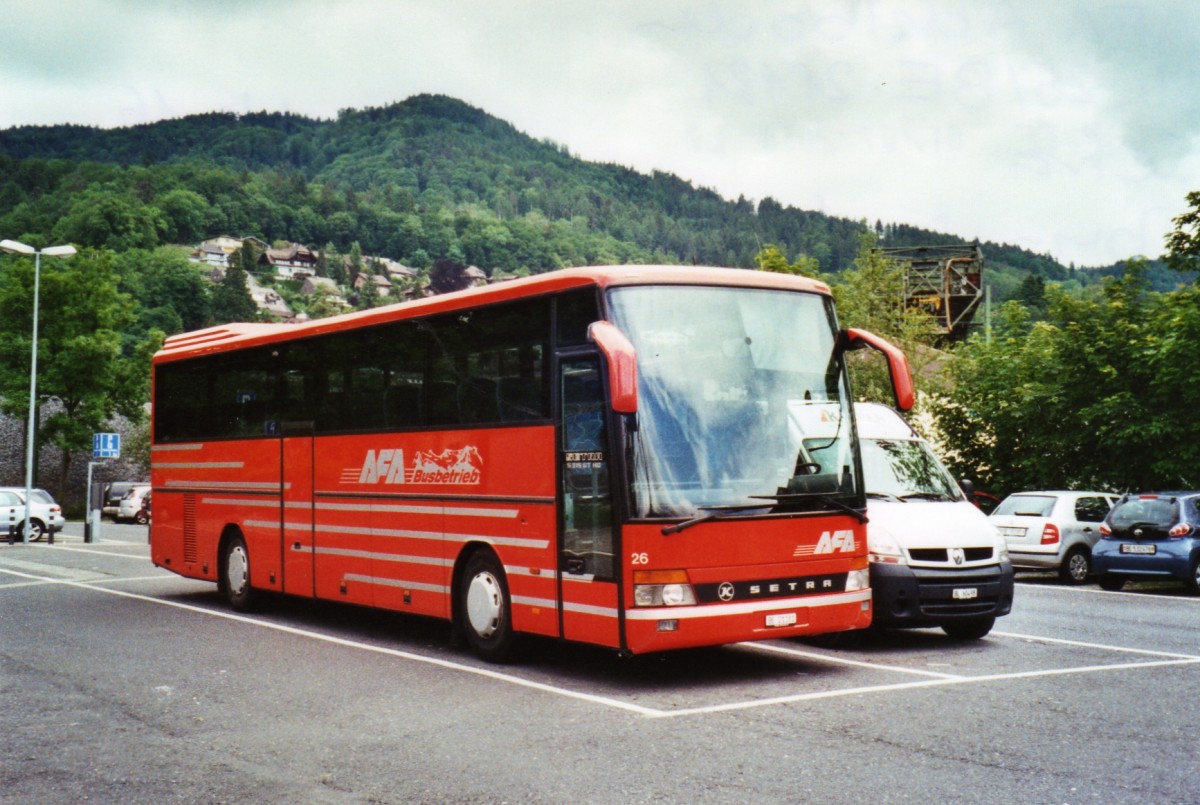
{"points": [[711, 513], [820, 497]]}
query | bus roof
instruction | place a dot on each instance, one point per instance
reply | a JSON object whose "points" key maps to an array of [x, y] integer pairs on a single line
{"points": [[239, 335]]}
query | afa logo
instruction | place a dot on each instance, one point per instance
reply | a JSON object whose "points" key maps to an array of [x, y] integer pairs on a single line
{"points": [[455, 466], [830, 542]]}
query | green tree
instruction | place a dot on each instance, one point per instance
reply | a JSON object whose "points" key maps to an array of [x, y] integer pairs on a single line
{"points": [[80, 358], [870, 296], [1183, 242], [772, 258], [1099, 394], [231, 300]]}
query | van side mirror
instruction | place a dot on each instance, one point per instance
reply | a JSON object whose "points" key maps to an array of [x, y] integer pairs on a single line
{"points": [[622, 365], [902, 385]]}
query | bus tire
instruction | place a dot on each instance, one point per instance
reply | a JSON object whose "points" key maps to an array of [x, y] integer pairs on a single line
{"points": [[233, 576], [485, 607]]}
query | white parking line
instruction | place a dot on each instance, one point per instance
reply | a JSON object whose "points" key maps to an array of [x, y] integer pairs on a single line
{"points": [[513, 680], [939, 679]]}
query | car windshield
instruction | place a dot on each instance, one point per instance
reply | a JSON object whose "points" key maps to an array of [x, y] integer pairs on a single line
{"points": [[1026, 506], [1153, 512], [740, 394], [903, 468]]}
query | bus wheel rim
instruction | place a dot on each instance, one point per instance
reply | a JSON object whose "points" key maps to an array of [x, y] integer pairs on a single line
{"points": [[236, 571], [485, 605]]}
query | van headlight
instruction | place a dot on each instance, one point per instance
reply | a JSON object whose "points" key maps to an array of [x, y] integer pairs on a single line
{"points": [[883, 549]]}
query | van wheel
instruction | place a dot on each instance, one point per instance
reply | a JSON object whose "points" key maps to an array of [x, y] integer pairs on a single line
{"points": [[1076, 567], [485, 608], [969, 628], [233, 575]]}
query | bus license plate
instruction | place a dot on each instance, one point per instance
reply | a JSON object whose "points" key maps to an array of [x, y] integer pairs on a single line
{"points": [[1147, 549], [965, 593], [782, 619]]}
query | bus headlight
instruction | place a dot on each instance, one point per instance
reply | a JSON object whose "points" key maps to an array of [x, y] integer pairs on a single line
{"points": [[662, 588]]}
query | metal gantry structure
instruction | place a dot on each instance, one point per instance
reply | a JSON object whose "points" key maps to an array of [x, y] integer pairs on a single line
{"points": [[944, 281]]}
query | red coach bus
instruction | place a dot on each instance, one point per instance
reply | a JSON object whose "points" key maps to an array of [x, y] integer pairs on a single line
{"points": [[645, 458]]}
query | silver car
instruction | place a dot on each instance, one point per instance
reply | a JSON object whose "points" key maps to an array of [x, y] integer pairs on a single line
{"points": [[45, 515], [1053, 530]]}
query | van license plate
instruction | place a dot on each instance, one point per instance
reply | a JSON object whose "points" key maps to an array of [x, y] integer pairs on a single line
{"points": [[1148, 549], [965, 593], [782, 619]]}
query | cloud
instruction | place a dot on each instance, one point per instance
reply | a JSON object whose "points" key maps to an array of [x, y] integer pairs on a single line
{"points": [[1069, 128]]}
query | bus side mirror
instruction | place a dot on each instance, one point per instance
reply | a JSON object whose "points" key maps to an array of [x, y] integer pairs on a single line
{"points": [[622, 365], [902, 386]]}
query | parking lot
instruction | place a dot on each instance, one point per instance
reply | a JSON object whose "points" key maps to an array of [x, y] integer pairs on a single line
{"points": [[125, 683]]}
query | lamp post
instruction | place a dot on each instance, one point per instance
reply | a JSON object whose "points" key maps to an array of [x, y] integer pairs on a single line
{"points": [[16, 247]]}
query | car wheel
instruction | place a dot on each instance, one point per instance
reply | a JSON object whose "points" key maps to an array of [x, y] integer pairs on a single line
{"points": [[1076, 567], [1193, 581], [141, 519], [485, 608], [1111, 582], [37, 529], [233, 578], [969, 628]]}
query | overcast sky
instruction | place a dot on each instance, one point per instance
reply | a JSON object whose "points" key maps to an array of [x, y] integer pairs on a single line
{"points": [[1069, 127]]}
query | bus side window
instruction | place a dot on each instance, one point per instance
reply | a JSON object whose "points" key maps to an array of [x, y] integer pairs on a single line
{"points": [[587, 504]]}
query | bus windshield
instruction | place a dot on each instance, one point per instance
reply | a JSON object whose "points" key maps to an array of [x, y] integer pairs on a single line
{"points": [[742, 400]]}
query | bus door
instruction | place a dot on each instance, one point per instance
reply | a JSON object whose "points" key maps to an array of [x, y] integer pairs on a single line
{"points": [[587, 567], [296, 478]]}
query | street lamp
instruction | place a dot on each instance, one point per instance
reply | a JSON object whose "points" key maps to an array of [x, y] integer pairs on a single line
{"points": [[16, 247]]}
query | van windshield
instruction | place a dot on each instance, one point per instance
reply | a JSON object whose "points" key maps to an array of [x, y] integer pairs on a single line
{"points": [[905, 469]]}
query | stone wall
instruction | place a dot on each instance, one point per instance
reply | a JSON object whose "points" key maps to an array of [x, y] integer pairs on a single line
{"points": [[72, 496]]}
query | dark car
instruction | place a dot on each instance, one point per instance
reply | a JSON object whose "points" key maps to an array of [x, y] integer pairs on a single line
{"points": [[1151, 535]]}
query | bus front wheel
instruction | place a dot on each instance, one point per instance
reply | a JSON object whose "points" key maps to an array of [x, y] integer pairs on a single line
{"points": [[485, 607], [234, 574]]}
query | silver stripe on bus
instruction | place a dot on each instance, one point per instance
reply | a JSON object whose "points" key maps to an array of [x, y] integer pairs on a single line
{"points": [[233, 486], [164, 448], [385, 557], [746, 607], [408, 585], [589, 609], [260, 502], [509, 542], [197, 465], [529, 601], [507, 514]]}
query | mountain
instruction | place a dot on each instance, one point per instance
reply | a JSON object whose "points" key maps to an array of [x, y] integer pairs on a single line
{"points": [[417, 180]]}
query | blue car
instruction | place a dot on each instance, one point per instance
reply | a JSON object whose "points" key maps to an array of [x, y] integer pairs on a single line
{"points": [[1151, 535]]}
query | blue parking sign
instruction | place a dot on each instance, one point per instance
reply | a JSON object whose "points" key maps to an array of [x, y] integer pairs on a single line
{"points": [[106, 445]]}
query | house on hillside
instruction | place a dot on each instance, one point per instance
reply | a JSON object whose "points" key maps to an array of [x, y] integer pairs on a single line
{"points": [[383, 285], [293, 262], [313, 285], [269, 300], [217, 251]]}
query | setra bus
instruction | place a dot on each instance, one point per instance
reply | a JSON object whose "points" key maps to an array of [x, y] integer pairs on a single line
{"points": [[638, 457]]}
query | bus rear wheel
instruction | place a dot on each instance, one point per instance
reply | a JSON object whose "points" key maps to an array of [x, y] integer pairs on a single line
{"points": [[233, 578], [485, 608]]}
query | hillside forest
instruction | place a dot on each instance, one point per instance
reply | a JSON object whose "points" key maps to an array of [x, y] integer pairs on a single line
{"points": [[1079, 377]]}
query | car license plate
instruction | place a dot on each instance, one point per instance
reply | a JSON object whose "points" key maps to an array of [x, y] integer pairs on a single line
{"points": [[1012, 532], [1146, 549], [965, 593], [782, 619]]}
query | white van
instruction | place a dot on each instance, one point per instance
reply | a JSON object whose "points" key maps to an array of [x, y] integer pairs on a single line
{"points": [[936, 559]]}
